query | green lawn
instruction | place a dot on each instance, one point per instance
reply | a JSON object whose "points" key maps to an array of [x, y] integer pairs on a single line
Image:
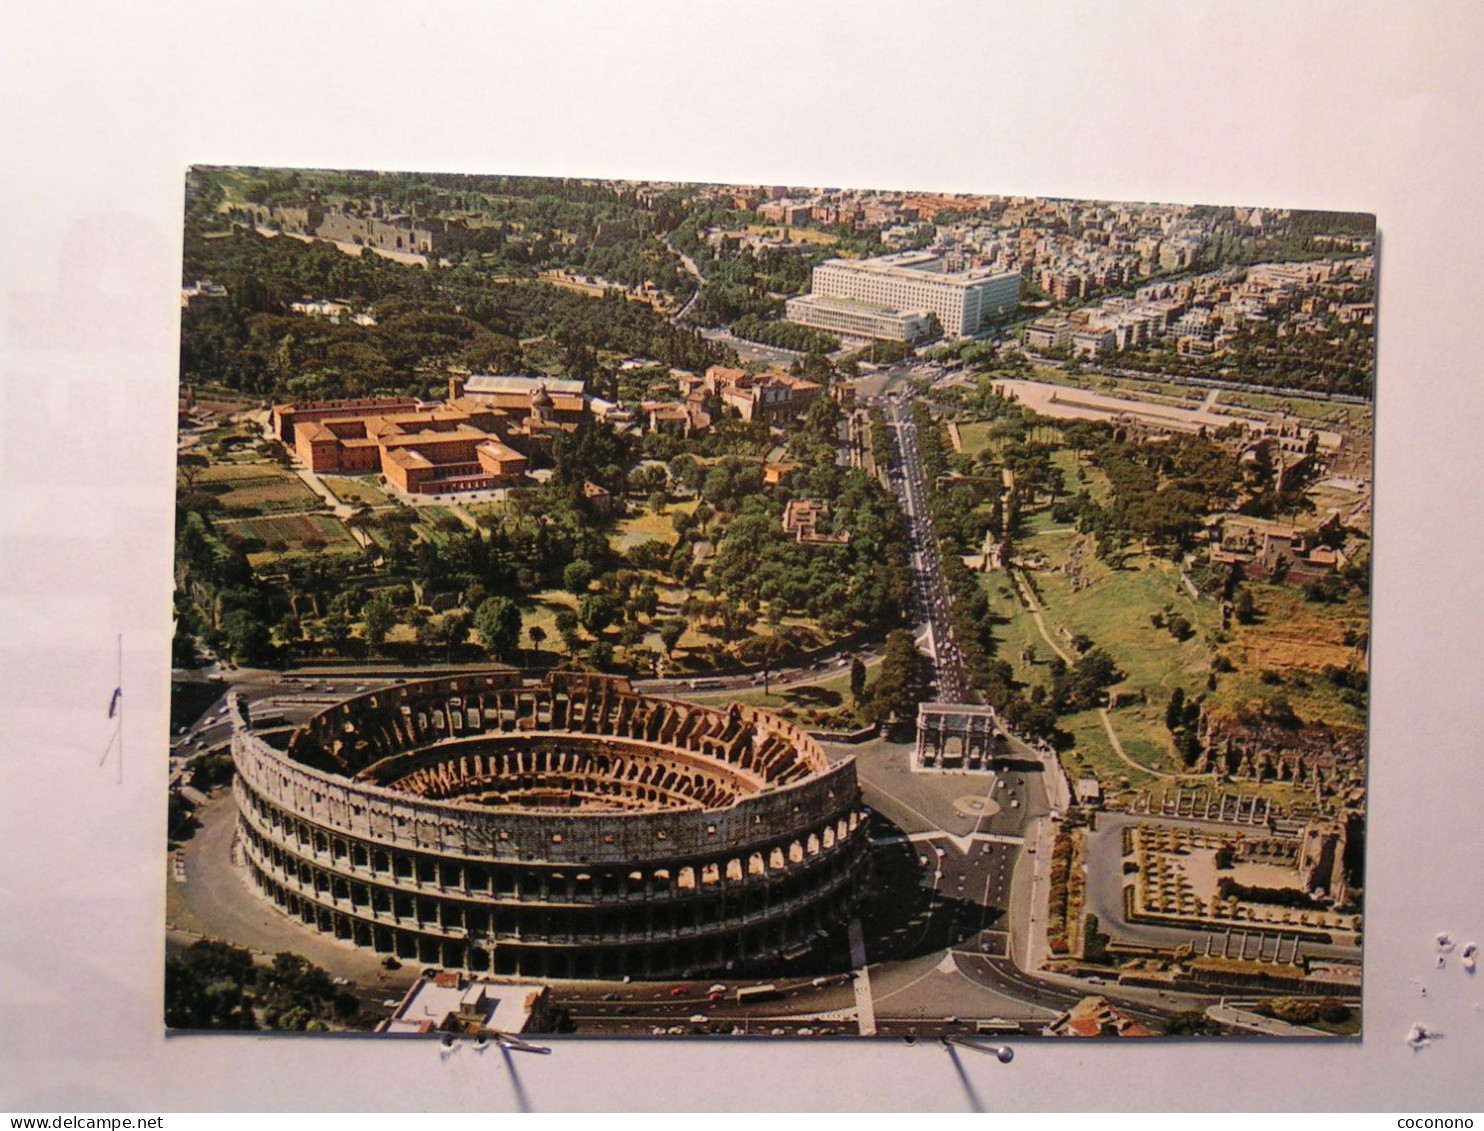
{"points": [[480, 510], [1016, 630], [428, 524], [630, 532], [975, 437], [824, 703], [1316, 411], [1115, 611], [1092, 753], [356, 491], [1093, 479]]}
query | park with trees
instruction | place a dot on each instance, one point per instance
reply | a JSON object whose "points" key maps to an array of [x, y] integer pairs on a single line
{"points": [[1109, 631]]}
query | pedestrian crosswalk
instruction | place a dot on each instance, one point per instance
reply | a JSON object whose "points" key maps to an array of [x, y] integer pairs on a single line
{"points": [[963, 843]]}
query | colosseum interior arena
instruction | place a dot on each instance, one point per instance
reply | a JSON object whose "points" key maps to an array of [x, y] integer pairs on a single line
{"points": [[564, 828]]}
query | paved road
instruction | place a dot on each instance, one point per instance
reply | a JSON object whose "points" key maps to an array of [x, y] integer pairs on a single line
{"points": [[216, 899], [690, 266], [940, 947], [828, 667], [929, 588], [753, 351]]}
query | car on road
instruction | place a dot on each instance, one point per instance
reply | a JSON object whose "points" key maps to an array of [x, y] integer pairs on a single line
{"points": [[677, 991]]}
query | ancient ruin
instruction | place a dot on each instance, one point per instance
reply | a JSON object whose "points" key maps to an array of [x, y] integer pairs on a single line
{"points": [[566, 828]]}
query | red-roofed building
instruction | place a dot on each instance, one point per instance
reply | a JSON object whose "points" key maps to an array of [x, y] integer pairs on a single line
{"points": [[1097, 1017], [773, 395], [420, 449]]}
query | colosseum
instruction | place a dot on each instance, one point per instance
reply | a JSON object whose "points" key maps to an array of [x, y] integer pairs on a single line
{"points": [[570, 827]]}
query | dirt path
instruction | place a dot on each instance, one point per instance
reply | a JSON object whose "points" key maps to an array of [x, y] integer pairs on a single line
{"points": [[1035, 608], [1123, 754], [1113, 738]]}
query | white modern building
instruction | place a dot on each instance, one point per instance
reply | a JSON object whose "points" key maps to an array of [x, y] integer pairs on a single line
{"points": [[857, 319], [889, 297]]}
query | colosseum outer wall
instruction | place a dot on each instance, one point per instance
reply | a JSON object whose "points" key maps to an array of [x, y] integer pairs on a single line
{"points": [[660, 893]]}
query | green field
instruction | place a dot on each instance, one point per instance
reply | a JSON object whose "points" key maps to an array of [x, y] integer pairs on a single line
{"points": [[1016, 631], [1115, 611], [430, 521], [541, 612], [358, 492], [1092, 753], [478, 511], [975, 437]]}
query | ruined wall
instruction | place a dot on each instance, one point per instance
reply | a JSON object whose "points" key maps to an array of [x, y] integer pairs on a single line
{"points": [[657, 892]]}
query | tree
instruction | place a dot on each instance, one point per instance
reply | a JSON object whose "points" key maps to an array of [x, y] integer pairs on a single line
{"points": [[765, 652], [736, 618], [204, 987], [687, 471], [670, 633], [453, 630], [337, 629], [247, 637], [567, 629], [577, 576], [857, 680], [426, 631], [596, 611], [647, 600], [900, 684], [1175, 712], [1244, 607], [537, 635], [377, 618], [191, 465], [183, 653], [498, 622]]}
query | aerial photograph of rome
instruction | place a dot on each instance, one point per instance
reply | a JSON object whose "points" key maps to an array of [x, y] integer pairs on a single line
{"points": [[655, 609]]}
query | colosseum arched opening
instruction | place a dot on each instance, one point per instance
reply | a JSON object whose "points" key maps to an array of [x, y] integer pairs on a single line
{"points": [[566, 828]]}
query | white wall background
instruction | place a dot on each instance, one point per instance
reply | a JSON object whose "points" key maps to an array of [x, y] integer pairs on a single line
{"points": [[1367, 107]]}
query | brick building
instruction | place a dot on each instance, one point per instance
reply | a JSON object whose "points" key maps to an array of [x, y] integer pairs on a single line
{"points": [[419, 448]]}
